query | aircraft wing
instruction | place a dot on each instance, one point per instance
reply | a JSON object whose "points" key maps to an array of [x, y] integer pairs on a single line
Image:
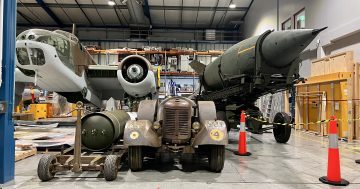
{"points": [[103, 79]]}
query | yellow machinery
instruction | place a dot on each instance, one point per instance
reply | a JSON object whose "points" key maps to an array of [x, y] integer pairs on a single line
{"points": [[38, 110]]}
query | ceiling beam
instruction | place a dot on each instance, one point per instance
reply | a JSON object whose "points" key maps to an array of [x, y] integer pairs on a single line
{"points": [[213, 14], [146, 9], [24, 16], [127, 23], [197, 14], [65, 13], [221, 21], [164, 12], [117, 15], [78, 6], [114, 26], [181, 13], [243, 18], [49, 12], [194, 8], [102, 21]]}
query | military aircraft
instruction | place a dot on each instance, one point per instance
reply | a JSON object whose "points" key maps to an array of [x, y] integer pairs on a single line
{"points": [[57, 62]]}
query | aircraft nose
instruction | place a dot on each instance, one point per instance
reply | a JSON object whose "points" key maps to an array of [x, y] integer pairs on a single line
{"points": [[30, 56]]}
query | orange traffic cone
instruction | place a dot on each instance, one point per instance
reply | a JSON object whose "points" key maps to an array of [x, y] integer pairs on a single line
{"points": [[333, 173], [242, 137]]}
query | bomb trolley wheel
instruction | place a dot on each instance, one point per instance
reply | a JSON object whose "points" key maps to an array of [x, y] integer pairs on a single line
{"points": [[46, 167], [111, 166]]}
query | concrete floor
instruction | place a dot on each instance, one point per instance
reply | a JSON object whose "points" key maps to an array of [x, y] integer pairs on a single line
{"points": [[298, 164]]}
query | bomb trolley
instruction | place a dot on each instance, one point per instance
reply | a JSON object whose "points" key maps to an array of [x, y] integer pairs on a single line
{"points": [[72, 159]]}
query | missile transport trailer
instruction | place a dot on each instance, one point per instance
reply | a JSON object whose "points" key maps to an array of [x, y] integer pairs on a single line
{"points": [[177, 126], [254, 67]]}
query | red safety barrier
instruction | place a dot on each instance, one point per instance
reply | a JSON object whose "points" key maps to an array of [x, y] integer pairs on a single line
{"points": [[242, 137], [333, 172]]}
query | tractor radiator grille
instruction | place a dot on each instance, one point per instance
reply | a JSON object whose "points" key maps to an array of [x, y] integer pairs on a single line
{"points": [[177, 124]]}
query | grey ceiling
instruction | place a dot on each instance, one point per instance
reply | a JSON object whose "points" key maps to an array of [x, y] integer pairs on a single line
{"points": [[193, 14]]}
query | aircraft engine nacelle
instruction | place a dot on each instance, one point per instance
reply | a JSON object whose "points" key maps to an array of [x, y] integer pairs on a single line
{"points": [[136, 77]]}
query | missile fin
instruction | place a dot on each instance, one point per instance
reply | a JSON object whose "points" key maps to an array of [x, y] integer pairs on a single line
{"points": [[197, 66]]}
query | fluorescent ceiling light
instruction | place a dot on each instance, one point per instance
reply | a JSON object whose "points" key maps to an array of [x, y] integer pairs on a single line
{"points": [[111, 3], [232, 6]]}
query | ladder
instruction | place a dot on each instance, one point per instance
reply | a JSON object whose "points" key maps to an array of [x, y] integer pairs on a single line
{"points": [[269, 106]]}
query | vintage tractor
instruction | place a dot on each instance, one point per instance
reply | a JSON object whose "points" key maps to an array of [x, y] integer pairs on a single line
{"points": [[176, 127]]}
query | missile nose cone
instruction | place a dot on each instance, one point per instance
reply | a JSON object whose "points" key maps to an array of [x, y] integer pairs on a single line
{"points": [[317, 31], [280, 48]]}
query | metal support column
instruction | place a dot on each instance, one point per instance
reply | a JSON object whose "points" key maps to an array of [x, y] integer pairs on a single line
{"points": [[7, 146]]}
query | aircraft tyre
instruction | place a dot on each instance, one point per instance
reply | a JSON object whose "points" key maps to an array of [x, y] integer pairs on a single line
{"points": [[282, 132]]}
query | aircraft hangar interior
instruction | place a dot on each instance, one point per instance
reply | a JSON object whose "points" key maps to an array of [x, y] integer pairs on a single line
{"points": [[177, 94]]}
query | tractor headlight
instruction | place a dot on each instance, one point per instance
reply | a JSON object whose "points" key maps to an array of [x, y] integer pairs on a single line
{"points": [[196, 125], [156, 125]]}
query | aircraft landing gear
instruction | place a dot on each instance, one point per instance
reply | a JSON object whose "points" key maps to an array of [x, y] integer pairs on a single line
{"points": [[282, 132]]}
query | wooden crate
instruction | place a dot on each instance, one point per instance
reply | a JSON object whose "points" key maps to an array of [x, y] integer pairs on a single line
{"points": [[23, 151], [341, 95], [356, 102], [322, 97], [23, 116], [341, 62], [338, 77]]}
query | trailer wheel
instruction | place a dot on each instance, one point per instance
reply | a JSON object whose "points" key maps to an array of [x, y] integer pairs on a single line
{"points": [[135, 158], [216, 158], [111, 166], [282, 132], [46, 170]]}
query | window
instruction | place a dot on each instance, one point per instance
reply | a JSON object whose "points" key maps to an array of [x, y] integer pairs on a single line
{"points": [[299, 19], [62, 47], [286, 25], [37, 56], [22, 56]]}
